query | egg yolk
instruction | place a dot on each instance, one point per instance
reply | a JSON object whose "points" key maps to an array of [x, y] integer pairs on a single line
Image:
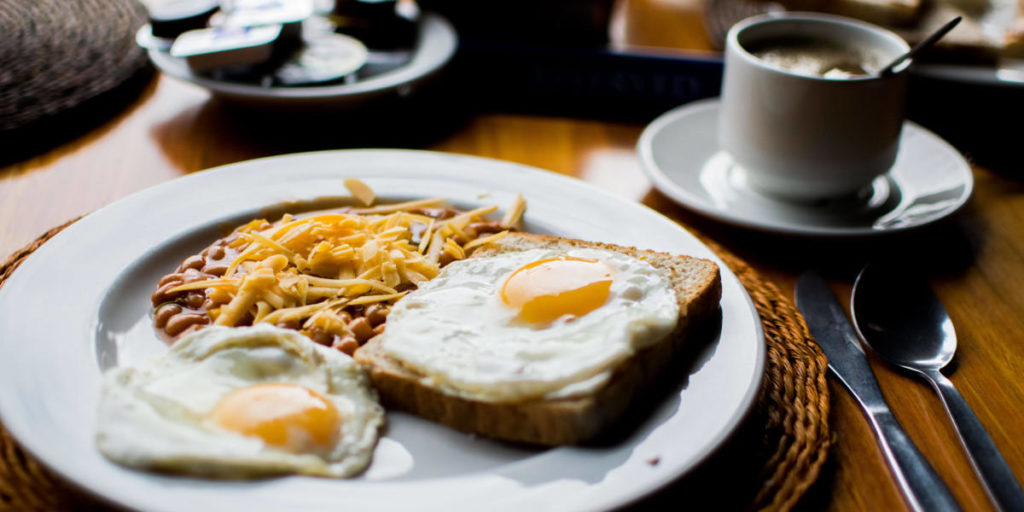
{"points": [[547, 289], [286, 416]]}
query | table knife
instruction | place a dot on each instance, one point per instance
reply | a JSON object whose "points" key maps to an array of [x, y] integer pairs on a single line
{"points": [[921, 486]]}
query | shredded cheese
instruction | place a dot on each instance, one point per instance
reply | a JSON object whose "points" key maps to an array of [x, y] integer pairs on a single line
{"points": [[359, 190], [515, 213], [305, 271]]}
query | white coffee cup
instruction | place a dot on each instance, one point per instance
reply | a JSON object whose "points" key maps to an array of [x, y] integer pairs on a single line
{"points": [[808, 138]]}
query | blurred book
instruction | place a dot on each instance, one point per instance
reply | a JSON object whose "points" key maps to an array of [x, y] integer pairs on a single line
{"points": [[631, 85]]}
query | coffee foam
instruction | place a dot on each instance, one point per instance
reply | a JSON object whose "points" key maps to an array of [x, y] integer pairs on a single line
{"points": [[817, 58]]}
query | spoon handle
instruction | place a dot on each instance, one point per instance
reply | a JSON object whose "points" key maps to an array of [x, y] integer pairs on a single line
{"points": [[923, 44], [988, 462], [920, 483]]}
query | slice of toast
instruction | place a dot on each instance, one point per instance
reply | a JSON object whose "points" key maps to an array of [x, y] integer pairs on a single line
{"points": [[882, 12], [914, 20], [1013, 40], [570, 420], [966, 43]]}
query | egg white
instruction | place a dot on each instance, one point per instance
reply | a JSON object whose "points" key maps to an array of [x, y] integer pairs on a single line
{"points": [[457, 332], [155, 416]]}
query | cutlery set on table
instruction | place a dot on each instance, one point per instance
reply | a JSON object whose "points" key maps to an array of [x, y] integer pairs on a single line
{"points": [[903, 322]]}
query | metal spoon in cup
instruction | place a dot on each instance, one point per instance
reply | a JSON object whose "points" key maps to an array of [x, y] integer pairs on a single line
{"points": [[925, 43], [903, 322]]}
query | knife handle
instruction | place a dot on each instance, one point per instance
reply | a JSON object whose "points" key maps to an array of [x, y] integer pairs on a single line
{"points": [[988, 462], [922, 486]]}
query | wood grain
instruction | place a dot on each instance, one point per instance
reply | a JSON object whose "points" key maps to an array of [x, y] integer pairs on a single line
{"points": [[974, 261]]}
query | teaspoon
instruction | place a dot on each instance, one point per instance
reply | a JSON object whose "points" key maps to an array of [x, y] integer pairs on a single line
{"points": [[903, 321], [925, 43]]}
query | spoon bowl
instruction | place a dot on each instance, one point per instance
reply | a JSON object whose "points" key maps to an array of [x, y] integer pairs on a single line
{"points": [[903, 321]]}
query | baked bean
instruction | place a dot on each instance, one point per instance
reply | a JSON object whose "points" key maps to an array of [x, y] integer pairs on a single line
{"points": [[195, 299], [163, 293], [348, 345], [195, 262], [170, 278], [378, 330], [460, 239], [164, 313], [291, 323], [178, 323], [216, 269], [191, 275], [376, 314], [361, 329], [321, 336], [215, 253], [486, 228]]}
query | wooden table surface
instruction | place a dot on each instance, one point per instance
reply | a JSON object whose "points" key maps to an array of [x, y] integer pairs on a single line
{"points": [[975, 262]]}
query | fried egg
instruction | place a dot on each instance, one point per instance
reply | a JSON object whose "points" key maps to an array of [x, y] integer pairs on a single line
{"points": [[241, 402], [530, 324]]}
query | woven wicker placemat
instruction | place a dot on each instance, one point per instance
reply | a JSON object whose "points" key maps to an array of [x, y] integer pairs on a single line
{"points": [[793, 407], [56, 54]]}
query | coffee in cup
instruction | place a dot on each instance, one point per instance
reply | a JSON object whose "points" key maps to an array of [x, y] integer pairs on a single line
{"points": [[804, 113], [817, 58]]}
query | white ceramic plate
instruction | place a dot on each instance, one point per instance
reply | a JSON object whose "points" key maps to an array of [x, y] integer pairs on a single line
{"points": [[928, 182], [435, 46], [81, 303]]}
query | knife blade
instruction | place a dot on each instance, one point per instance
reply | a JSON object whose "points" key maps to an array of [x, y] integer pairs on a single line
{"points": [[922, 488]]}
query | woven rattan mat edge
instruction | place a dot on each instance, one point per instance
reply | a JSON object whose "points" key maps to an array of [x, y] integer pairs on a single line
{"points": [[793, 402], [59, 54]]}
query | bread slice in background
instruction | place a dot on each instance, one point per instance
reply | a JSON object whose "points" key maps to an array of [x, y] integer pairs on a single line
{"points": [[571, 420], [882, 12], [1013, 40], [966, 43], [913, 20]]}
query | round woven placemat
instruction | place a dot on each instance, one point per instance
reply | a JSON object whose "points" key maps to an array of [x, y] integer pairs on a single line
{"points": [[56, 54], [793, 407]]}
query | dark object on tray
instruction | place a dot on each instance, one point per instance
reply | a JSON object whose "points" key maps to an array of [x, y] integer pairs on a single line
{"points": [[560, 23], [57, 55], [378, 24], [171, 19]]}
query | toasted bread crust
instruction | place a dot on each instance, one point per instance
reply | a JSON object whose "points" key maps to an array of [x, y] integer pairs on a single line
{"points": [[573, 420]]}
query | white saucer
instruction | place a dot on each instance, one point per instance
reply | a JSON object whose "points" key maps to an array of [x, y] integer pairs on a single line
{"points": [[929, 181]]}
